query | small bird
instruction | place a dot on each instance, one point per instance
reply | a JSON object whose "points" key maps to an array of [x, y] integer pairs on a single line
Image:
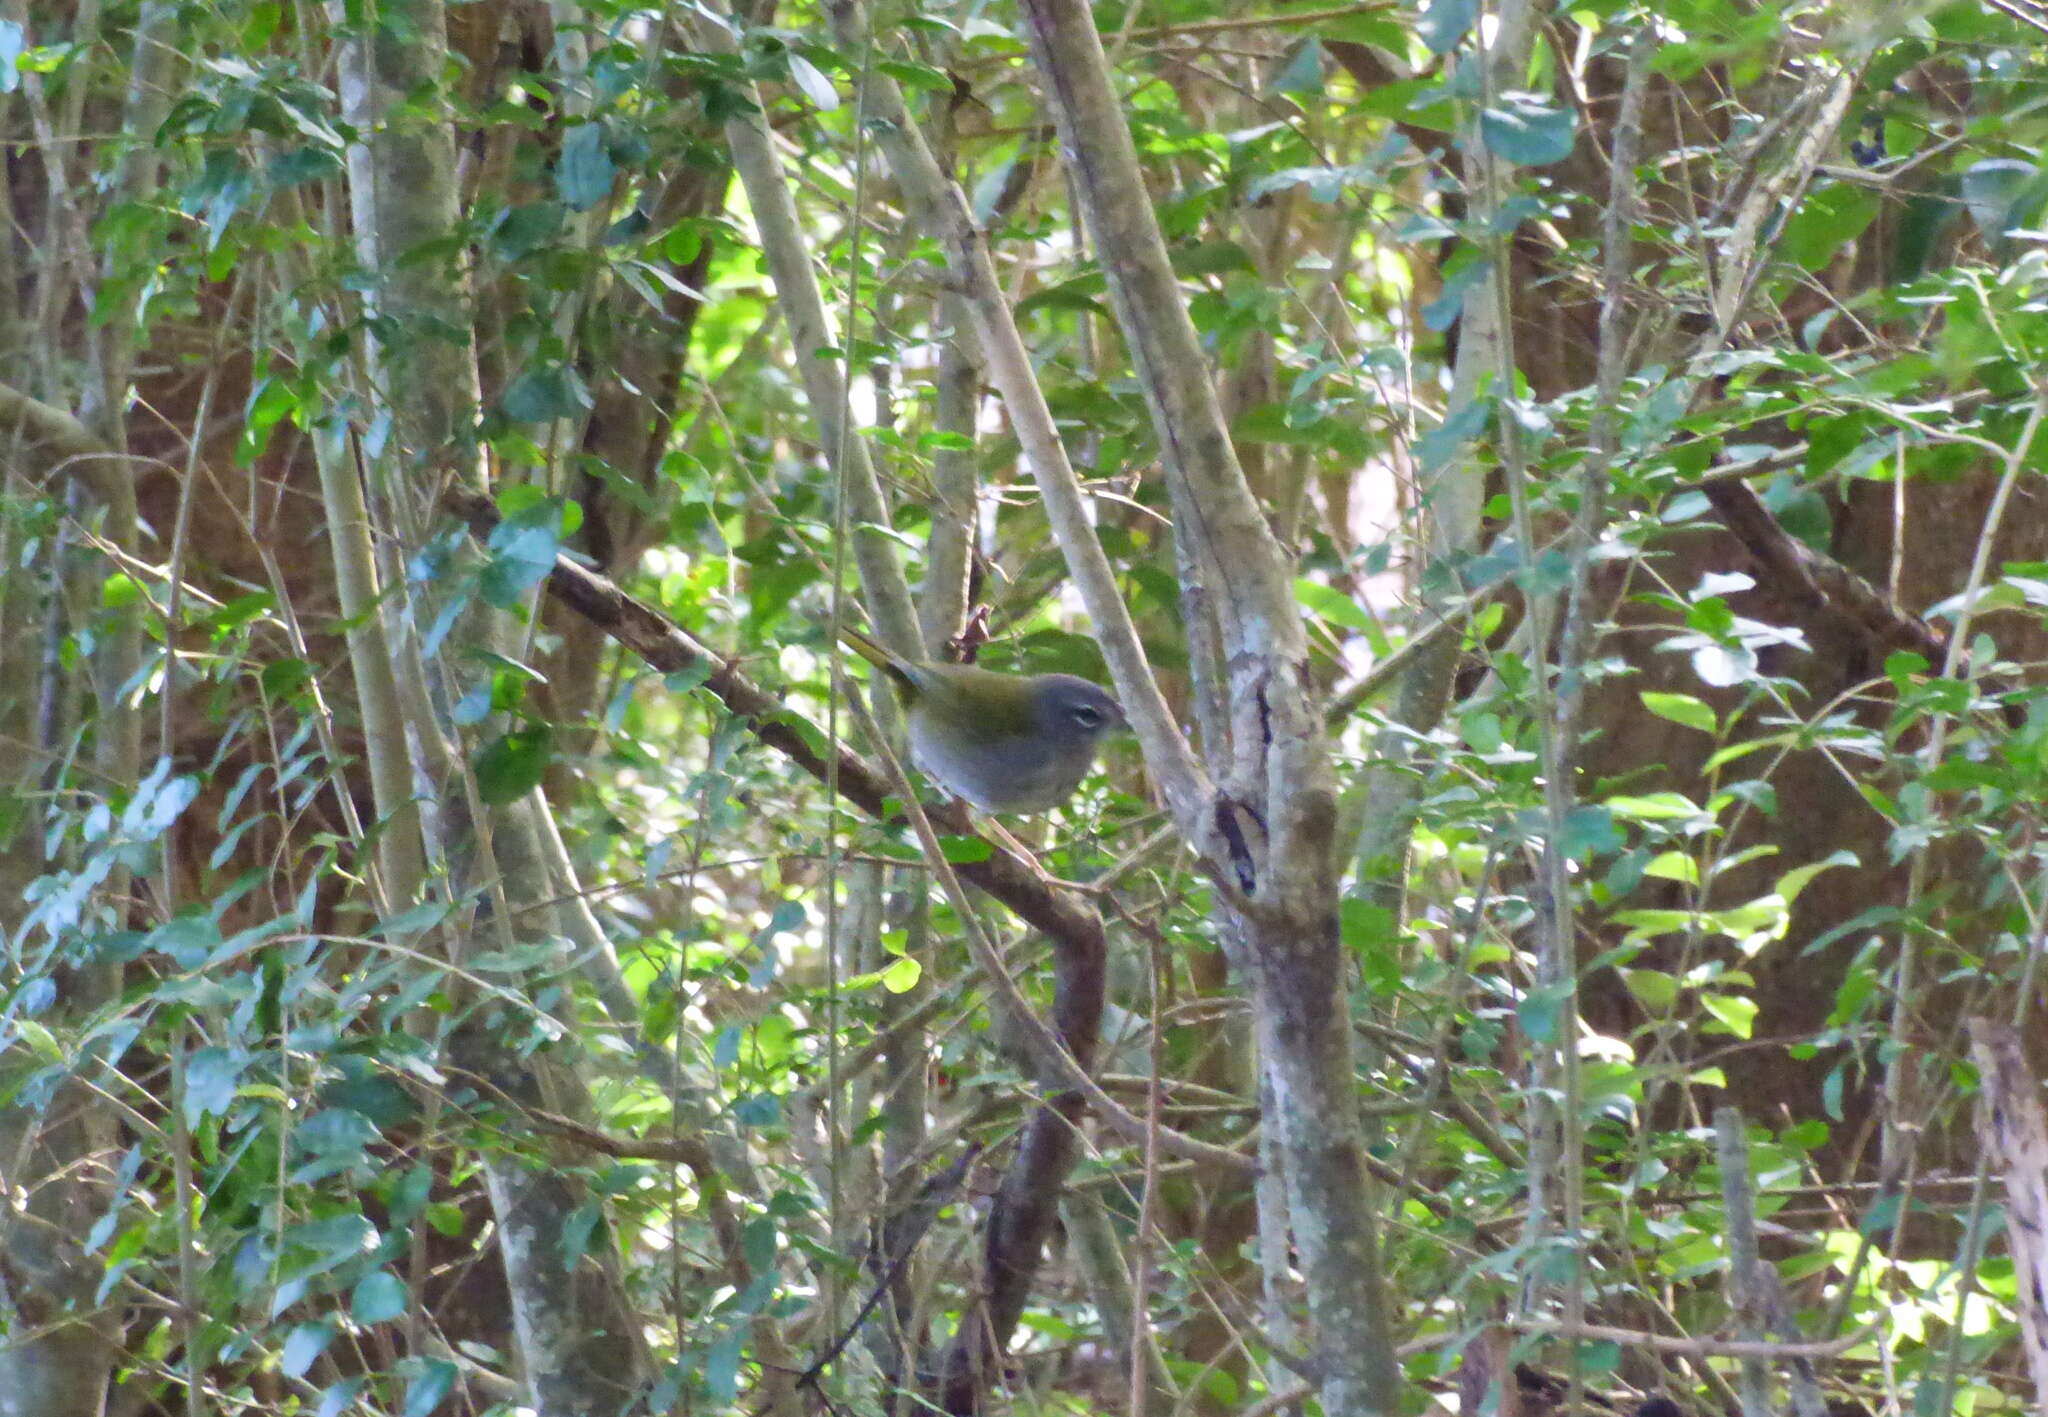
{"points": [[1004, 742]]}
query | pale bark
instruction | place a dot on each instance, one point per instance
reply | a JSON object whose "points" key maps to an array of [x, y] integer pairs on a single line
{"points": [[578, 1335], [937, 203], [943, 599], [1280, 800], [62, 1349], [2013, 1128], [1274, 760], [57, 1345], [811, 330]]}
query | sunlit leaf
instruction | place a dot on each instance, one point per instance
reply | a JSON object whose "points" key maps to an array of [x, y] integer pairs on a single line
{"points": [[1681, 708], [816, 87]]}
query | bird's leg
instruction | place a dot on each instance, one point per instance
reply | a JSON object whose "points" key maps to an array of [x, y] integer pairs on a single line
{"points": [[1002, 837]]}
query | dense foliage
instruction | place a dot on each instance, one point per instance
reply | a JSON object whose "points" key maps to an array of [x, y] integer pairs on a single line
{"points": [[1668, 539]]}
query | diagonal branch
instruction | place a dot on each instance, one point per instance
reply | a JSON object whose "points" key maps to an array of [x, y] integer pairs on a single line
{"points": [[1074, 928], [1820, 583], [1022, 1218], [68, 441], [1007, 877]]}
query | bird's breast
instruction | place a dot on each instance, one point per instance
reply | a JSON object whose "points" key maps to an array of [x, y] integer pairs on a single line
{"points": [[1001, 774]]}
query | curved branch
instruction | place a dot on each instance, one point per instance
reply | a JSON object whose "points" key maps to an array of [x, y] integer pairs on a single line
{"points": [[660, 642], [69, 442], [1027, 1203]]}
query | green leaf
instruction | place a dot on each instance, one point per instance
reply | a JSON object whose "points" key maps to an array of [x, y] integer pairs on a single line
{"points": [[1482, 731], [690, 676], [1801, 511], [1795, 880], [1208, 258], [375, 1097], [584, 174], [902, 976], [119, 591], [917, 76], [1653, 806], [2001, 193], [1303, 71], [1440, 314], [308, 163], [965, 850], [1674, 866], [514, 764], [1541, 1012], [1080, 293], [435, 1378], [1735, 1013], [522, 550], [1648, 924], [414, 920], [307, 1342], [577, 1231], [159, 800], [762, 1109], [1365, 925], [1828, 219], [1549, 574], [380, 1296], [1600, 1356], [543, 394], [523, 230], [1656, 990], [1329, 603], [211, 1076], [1526, 130], [1445, 22], [1724, 756], [285, 677], [238, 612], [1681, 708], [1297, 426], [188, 939], [336, 1400], [988, 190], [722, 1368], [1369, 932], [1589, 831]]}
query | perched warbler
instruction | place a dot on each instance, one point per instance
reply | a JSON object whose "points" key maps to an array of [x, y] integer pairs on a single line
{"points": [[1004, 742]]}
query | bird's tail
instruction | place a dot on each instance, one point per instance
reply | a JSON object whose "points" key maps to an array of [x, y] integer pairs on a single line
{"points": [[875, 654]]}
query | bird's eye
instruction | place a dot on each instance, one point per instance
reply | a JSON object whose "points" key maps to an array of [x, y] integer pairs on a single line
{"points": [[1086, 716]]}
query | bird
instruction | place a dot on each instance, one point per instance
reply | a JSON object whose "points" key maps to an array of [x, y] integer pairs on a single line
{"points": [[1006, 743]]}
